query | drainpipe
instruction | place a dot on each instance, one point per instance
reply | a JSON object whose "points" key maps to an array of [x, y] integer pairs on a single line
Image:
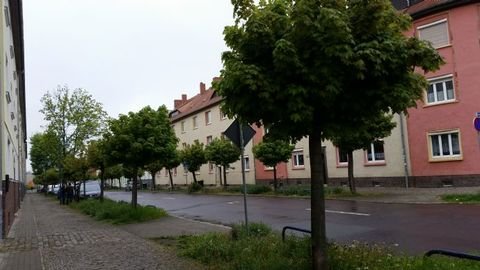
{"points": [[404, 149]]}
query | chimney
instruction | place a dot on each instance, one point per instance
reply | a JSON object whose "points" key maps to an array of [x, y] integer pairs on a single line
{"points": [[180, 102], [202, 88]]}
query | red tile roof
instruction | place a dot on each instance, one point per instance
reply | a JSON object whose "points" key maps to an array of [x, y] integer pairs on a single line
{"points": [[195, 104], [427, 7]]}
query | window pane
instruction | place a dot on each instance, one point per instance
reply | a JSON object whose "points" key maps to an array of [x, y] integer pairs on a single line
{"points": [[449, 86], [435, 145], [430, 95], [378, 148], [300, 160], [455, 144], [439, 89], [437, 34], [342, 156], [445, 145]]}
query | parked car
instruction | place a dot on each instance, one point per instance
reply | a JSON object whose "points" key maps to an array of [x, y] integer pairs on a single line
{"points": [[92, 189]]}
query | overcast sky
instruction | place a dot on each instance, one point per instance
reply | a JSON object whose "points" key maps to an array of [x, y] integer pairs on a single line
{"points": [[127, 54]]}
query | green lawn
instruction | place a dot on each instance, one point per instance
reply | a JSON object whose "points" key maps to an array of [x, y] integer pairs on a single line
{"points": [[461, 198]]}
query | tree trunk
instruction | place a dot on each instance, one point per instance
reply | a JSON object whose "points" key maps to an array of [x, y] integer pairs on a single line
{"points": [[225, 176], [194, 177], [134, 189], [102, 183], [275, 184], [85, 188], [319, 244], [220, 175], [119, 183], [153, 179], [351, 180], [171, 179]]}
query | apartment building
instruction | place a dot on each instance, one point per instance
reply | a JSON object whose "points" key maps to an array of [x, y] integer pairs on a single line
{"points": [[12, 113], [444, 146], [200, 118]]}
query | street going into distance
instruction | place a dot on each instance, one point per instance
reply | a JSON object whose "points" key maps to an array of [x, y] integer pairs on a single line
{"points": [[409, 228]]}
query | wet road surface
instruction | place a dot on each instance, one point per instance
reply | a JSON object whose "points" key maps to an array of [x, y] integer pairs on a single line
{"points": [[411, 228]]}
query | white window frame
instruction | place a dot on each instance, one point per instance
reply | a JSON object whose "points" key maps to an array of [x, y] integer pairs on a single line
{"points": [[209, 139], [443, 80], [296, 160], [208, 117], [422, 27], [339, 162], [195, 122], [372, 150], [223, 115], [441, 156], [246, 162]]}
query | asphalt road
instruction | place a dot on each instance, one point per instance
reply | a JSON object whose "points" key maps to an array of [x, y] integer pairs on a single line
{"points": [[410, 228]]}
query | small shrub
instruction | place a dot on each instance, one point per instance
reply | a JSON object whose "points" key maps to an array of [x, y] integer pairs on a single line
{"points": [[295, 190], [257, 189], [462, 198], [194, 187]]}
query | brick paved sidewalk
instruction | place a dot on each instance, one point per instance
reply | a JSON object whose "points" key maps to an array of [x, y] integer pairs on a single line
{"points": [[48, 236]]}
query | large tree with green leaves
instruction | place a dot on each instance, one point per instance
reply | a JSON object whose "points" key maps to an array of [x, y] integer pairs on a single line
{"points": [[97, 159], [305, 67], [114, 172], [193, 157], [44, 152], [359, 135], [140, 138], [222, 152], [74, 117], [153, 168], [271, 152]]}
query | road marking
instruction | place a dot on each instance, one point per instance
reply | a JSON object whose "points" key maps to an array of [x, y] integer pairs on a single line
{"points": [[343, 212], [234, 202]]}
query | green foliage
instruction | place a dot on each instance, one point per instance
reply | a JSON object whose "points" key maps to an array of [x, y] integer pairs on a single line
{"points": [[462, 198], [44, 152], [51, 177], [193, 156], [118, 212], [130, 172], [75, 168], [222, 152], [266, 250], [194, 187], [114, 172], [297, 190], [272, 152], [239, 231], [140, 138], [73, 117]]}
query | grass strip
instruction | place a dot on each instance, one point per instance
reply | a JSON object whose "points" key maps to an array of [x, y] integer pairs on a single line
{"points": [[461, 198], [117, 212]]}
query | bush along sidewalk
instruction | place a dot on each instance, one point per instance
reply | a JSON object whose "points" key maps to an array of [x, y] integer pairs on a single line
{"points": [[462, 198], [261, 248], [117, 212]]}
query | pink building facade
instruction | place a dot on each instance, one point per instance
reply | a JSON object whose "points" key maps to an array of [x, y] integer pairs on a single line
{"points": [[444, 146]]}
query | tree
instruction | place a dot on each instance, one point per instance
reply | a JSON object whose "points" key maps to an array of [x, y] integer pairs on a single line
{"points": [[114, 172], [172, 163], [137, 139], [97, 159], [153, 168], [360, 135], [193, 157], [76, 169], [44, 152], [222, 152], [74, 117], [271, 152], [306, 67]]}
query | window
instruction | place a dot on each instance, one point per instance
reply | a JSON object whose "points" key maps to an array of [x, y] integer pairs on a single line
{"points": [[223, 115], [12, 52], [436, 33], [9, 99], [440, 90], [210, 167], [375, 152], [445, 145], [175, 171], [194, 120], [12, 115], [342, 156], [184, 145], [208, 118], [298, 161], [209, 139], [7, 16], [182, 126], [246, 161]]}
